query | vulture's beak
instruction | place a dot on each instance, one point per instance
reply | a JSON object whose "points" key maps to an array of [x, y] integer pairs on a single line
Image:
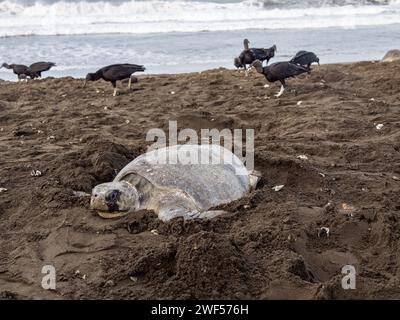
{"points": [[84, 84]]}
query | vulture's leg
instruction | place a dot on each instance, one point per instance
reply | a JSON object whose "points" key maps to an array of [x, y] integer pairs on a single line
{"points": [[283, 86], [114, 84], [130, 82], [246, 71]]}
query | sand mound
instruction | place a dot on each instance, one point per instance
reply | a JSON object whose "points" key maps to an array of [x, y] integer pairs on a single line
{"points": [[270, 243]]}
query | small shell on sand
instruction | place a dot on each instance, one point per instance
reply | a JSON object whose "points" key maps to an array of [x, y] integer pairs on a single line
{"points": [[347, 207], [278, 188], [299, 103], [3, 190], [36, 173], [302, 157], [379, 126]]}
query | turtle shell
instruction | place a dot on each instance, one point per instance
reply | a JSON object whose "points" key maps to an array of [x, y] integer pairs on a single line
{"points": [[218, 177]]}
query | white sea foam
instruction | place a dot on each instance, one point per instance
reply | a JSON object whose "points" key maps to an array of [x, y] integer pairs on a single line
{"points": [[24, 17]]}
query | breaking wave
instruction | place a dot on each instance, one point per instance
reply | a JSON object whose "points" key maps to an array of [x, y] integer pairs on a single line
{"points": [[50, 17]]}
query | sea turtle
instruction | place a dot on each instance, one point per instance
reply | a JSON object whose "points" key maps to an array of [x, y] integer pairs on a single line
{"points": [[177, 181]]}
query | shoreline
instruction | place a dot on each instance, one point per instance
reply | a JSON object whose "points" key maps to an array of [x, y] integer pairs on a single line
{"points": [[193, 52], [143, 75]]}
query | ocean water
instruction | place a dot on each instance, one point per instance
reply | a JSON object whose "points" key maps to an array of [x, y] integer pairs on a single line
{"points": [[172, 36]]}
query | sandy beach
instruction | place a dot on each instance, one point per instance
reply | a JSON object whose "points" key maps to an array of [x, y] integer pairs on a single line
{"points": [[266, 247]]}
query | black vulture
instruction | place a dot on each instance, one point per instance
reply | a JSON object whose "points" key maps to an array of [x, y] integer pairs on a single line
{"points": [[279, 71], [305, 58], [264, 54], [38, 67], [248, 55], [20, 70], [115, 73]]}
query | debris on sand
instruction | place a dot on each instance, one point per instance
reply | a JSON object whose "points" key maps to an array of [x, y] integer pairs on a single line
{"points": [[329, 207], [3, 190], [396, 178], [302, 157], [278, 188], [154, 231], [323, 232], [379, 126], [299, 103], [36, 173]]}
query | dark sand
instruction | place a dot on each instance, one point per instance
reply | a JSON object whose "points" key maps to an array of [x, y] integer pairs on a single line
{"points": [[267, 247]]}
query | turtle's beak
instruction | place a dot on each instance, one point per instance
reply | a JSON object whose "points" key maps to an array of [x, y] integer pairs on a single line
{"points": [[112, 215]]}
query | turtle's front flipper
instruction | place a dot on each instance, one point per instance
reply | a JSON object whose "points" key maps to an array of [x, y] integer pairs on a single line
{"points": [[171, 213], [204, 214]]}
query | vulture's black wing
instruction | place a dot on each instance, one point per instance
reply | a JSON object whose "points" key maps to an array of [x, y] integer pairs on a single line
{"points": [[305, 57], [41, 66], [120, 71], [283, 70], [21, 69], [259, 53]]}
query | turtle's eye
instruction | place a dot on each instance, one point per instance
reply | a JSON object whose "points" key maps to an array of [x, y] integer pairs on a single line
{"points": [[112, 195]]}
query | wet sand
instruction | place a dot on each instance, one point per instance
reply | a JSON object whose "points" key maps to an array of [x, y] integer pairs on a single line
{"points": [[266, 247]]}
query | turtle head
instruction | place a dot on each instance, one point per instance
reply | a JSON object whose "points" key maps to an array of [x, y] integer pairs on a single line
{"points": [[114, 199]]}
